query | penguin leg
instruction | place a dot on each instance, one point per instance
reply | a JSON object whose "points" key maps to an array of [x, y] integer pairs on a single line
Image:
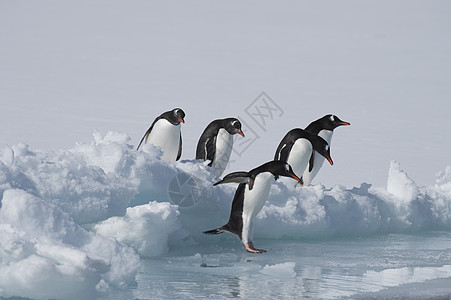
{"points": [[248, 241]]}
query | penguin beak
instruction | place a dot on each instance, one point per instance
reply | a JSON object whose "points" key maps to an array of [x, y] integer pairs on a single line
{"points": [[181, 120], [345, 123], [295, 177], [329, 159], [240, 132], [300, 182]]}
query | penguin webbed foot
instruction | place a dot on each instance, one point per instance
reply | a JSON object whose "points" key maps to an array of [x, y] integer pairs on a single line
{"points": [[250, 248]]}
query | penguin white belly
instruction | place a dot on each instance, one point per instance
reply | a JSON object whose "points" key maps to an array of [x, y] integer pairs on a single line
{"points": [[307, 177], [166, 136], [299, 155], [224, 144], [254, 200]]}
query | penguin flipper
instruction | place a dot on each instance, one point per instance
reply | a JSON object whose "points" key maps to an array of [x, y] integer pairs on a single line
{"points": [[238, 177], [283, 151], [210, 148], [284, 148], [206, 149], [145, 137], [139, 145], [311, 161], [179, 154], [277, 156]]}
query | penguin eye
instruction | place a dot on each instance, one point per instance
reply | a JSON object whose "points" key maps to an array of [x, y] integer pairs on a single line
{"points": [[179, 113]]}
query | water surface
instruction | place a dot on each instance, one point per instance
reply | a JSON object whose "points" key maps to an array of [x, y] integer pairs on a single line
{"points": [[377, 266]]}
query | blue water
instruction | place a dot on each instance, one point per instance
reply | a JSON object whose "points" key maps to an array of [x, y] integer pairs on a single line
{"points": [[389, 266]]}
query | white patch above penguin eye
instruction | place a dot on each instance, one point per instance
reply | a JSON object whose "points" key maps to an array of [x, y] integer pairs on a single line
{"points": [[327, 147], [287, 167], [332, 118]]}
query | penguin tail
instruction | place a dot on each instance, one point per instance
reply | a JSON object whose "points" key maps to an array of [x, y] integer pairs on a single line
{"points": [[215, 231]]}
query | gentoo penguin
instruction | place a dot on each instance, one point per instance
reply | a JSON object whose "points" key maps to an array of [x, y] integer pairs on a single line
{"points": [[215, 143], [250, 196], [165, 133], [323, 127], [298, 147]]}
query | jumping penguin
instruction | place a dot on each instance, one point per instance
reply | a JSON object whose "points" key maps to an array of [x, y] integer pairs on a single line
{"points": [[298, 147], [165, 133], [215, 143], [323, 127], [249, 199]]}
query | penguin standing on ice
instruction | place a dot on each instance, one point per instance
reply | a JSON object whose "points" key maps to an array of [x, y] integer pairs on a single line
{"points": [[215, 143], [323, 127], [165, 133], [298, 147], [250, 196]]}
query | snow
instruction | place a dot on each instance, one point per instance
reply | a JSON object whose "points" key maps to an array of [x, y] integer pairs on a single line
{"points": [[146, 228], [66, 214], [45, 254], [82, 213], [399, 184]]}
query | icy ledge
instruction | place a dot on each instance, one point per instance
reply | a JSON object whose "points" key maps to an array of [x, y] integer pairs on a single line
{"points": [[317, 212], [74, 223], [46, 255]]}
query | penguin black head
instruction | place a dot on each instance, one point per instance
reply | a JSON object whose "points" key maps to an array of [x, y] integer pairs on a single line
{"points": [[330, 122], [322, 147], [178, 116], [278, 168], [233, 126]]}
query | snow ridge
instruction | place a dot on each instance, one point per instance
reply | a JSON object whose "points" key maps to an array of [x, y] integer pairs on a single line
{"points": [[80, 219]]}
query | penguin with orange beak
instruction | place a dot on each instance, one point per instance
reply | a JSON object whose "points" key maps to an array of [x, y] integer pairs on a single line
{"points": [[165, 133], [250, 197], [299, 148], [323, 127], [216, 142]]}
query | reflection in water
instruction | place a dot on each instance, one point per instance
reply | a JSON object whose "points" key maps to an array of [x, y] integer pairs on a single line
{"points": [[234, 286], [315, 269]]}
